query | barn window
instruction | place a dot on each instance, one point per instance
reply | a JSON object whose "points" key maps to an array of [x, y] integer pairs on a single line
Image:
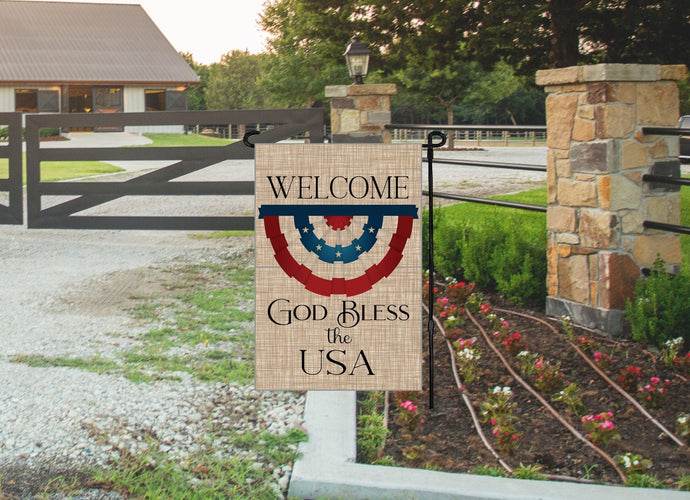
{"points": [[48, 101], [108, 98], [155, 100], [165, 100], [176, 100], [37, 101], [26, 100]]}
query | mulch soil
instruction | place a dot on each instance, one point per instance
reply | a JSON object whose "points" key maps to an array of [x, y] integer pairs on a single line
{"points": [[448, 441]]}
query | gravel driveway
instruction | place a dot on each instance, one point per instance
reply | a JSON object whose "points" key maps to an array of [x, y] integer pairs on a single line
{"points": [[67, 293]]}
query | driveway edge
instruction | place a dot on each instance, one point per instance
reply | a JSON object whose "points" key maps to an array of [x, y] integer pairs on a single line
{"points": [[327, 469]]}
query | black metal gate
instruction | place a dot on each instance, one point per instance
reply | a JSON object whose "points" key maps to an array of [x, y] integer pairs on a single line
{"points": [[11, 160], [282, 124]]}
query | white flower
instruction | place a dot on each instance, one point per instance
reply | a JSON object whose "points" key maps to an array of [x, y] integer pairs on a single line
{"points": [[507, 391], [676, 343], [523, 353], [467, 354]]}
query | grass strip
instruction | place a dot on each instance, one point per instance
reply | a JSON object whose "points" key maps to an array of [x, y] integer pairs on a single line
{"points": [[63, 170], [174, 140], [206, 332]]}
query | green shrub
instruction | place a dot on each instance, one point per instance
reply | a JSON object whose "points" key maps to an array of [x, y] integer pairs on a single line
{"points": [[519, 268], [371, 434], [489, 470], [528, 472], [660, 310], [49, 132], [499, 249], [4, 134], [638, 480]]}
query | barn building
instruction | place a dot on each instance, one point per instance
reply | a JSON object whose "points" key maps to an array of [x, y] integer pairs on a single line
{"points": [[66, 57]]}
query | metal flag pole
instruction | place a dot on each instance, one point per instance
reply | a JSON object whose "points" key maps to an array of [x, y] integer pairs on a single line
{"points": [[430, 145]]}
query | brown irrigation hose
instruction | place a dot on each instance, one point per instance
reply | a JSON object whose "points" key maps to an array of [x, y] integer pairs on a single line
{"points": [[603, 375], [545, 403], [477, 425], [467, 401]]}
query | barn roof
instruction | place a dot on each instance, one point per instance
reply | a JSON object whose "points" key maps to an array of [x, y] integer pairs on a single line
{"points": [[85, 42]]}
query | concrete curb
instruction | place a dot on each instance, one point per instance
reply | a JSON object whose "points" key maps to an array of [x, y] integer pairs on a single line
{"points": [[327, 469]]}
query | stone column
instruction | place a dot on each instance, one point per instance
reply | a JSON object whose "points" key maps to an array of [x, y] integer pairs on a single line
{"points": [[360, 112], [597, 155]]}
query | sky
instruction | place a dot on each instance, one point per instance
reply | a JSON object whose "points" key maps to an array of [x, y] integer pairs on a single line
{"points": [[205, 28]]}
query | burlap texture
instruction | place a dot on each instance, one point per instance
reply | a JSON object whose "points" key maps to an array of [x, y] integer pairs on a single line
{"points": [[307, 340]]}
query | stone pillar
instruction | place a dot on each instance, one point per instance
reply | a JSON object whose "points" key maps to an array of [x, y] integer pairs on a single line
{"points": [[360, 112], [597, 155]]}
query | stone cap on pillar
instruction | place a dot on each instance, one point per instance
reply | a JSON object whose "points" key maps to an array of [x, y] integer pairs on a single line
{"points": [[359, 90], [610, 72]]}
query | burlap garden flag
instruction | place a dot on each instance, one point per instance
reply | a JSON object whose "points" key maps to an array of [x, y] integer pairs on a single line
{"points": [[338, 266]]}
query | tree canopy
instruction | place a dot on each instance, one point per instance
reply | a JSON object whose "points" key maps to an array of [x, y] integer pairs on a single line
{"points": [[469, 60], [540, 34], [233, 83]]}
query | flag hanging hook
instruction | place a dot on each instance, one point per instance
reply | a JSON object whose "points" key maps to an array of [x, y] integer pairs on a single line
{"points": [[246, 137]]}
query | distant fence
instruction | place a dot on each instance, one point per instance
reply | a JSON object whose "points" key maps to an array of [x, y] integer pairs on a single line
{"points": [[237, 131], [422, 130], [475, 134]]}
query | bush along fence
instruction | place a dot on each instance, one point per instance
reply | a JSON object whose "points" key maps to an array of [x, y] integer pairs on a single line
{"points": [[597, 156]]}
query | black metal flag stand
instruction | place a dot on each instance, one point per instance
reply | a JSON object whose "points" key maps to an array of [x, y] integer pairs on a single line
{"points": [[430, 145]]}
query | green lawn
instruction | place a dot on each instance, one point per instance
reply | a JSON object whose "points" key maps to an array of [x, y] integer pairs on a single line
{"points": [[168, 140], [63, 170], [533, 197]]}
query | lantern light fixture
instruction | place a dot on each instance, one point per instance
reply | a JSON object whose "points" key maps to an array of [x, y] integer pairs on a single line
{"points": [[357, 58]]}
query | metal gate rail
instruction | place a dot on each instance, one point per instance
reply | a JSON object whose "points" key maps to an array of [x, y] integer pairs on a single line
{"points": [[476, 163], [287, 123], [672, 179], [12, 213]]}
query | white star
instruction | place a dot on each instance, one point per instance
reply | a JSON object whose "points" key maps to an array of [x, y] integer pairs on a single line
{"points": [[305, 230], [358, 248], [338, 254], [371, 229], [318, 248]]}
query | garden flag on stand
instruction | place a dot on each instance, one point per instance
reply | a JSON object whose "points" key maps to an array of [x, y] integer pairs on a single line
{"points": [[338, 267]]}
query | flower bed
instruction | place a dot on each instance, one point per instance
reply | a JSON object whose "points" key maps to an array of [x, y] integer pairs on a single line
{"points": [[570, 420]]}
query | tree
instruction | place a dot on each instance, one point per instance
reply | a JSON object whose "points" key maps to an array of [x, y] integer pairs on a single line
{"points": [[461, 83], [233, 83], [432, 47], [564, 29], [308, 38], [196, 95], [636, 31], [532, 35]]}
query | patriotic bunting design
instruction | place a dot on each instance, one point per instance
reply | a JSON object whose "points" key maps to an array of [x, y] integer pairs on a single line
{"points": [[330, 254]]}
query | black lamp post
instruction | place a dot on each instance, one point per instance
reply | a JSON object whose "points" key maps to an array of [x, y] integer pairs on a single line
{"points": [[357, 57]]}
